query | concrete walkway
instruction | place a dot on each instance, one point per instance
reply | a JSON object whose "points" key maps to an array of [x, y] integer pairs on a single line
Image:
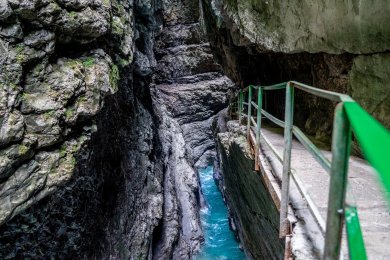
{"points": [[364, 191]]}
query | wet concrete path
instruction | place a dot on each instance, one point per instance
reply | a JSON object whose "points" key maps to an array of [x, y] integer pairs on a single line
{"points": [[364, 191]]}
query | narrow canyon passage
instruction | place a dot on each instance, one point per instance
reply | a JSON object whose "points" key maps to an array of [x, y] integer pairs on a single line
{"points": [[220, 242], [189, 93], [110, 112]]}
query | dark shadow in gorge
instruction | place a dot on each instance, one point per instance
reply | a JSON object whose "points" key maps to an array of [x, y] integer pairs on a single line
{"points": [[79, 220]]}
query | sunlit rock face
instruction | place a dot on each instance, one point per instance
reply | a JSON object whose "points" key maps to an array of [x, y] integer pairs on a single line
{"points": [[340, 46], [326, 26]]}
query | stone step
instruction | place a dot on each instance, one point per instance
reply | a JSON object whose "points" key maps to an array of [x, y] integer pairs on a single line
{"points": [[185, 60], [195, 101]]}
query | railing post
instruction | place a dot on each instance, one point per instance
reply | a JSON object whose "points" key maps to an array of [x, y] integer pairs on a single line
{"points": [[258, 128], [240, 106], [341, 145], [248, 128], [289, 113]]}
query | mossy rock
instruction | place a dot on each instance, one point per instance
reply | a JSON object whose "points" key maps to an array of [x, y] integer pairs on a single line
{"points": [[114, 77]]}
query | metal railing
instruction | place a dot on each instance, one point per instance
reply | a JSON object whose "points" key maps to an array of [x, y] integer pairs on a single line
{"points": [[348, 116]]}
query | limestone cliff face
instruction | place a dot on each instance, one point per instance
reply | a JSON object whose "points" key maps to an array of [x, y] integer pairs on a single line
{"points": [[78, 171], [188, 91], [326, 26], [50, 95], [340, 46], [105, 111]]}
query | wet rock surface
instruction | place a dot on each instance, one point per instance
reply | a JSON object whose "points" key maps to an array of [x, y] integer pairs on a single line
{"points": [[78, 172], [91, 164], [292, 27], [190, 90], [268, 43], [250, 204]]}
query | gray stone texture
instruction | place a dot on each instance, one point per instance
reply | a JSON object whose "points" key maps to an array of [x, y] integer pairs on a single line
{"points": [[90, 166], [250, 204], [340, 46], [190, 90], [335, 27], [77, 172]]}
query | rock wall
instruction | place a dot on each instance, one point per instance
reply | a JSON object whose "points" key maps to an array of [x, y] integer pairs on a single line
{"points": [[336, 46], [92, 164], [327, 26], [79, 173], [255, 216], [189, 91]]}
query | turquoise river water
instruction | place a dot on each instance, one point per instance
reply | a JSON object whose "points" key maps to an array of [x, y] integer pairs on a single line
{"points": [[220, 243]]}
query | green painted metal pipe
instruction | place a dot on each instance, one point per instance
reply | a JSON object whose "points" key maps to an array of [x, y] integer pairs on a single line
{"points": [[341, 145], [357, 251], [241, 106], [374, 140], [258, 119], [289, 113], [275, 86], [248, 127], [312, 149]]}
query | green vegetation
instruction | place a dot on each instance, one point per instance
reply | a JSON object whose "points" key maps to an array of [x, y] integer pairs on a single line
{"points": [[117, 26], [69, 112], [72, 14], [23, 149], [48, 115], [26, 96], [114, 77], [63, 151], [82, 99], [123, 62], [89, 62], [20, 53], [73, 160], [73, 64]]}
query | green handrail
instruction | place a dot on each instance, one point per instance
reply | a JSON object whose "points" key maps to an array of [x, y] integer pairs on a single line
{"points": [[354, 233], [373, 138]]}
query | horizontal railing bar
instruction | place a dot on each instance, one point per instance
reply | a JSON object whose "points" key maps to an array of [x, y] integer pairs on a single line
{"points": [[272, 118], [309, 89], [322, 93], [254, 104], [312, 149], [354, 234], [273, 149], [275, 87], [312, 206], [305, 141], [253, 121], [245, 89]]}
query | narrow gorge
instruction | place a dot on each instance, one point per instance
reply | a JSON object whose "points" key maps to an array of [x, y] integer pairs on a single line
{"points": [[111, 110]]}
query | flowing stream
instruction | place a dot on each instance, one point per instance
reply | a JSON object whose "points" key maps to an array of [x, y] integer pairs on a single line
{"points": [[220, 242]]}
